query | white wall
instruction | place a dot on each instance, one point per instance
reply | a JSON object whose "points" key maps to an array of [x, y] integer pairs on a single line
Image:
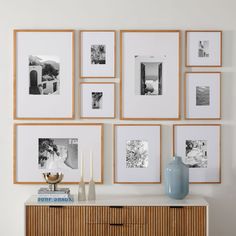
{"points": [[121, 14]]}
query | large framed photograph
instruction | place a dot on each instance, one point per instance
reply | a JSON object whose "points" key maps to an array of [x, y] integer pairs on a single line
{"points": [[40, 148], [202, 95], [203, 48], [97, 100], [199, 147], [150, 74], [137, 153], [43, 74], [97, 53]]}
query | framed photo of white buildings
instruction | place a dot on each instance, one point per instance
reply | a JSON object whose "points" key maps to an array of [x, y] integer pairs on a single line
{"points": [[150, 74], [203, 48], [199, 147], [53, 147], [43, 74], [137, 153], [97, 53], [202, 95], [97, 100]]}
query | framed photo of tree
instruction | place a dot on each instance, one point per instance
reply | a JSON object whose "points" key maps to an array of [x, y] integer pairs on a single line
{"points": [[43, 74]]}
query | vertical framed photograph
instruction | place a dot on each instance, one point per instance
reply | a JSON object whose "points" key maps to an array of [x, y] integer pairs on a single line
{"points": [[203, 48], [97, 53], [39, 148], [199, 147], [97, 100], [202, 95], [43, 74], [137, 153], [150, 74]]}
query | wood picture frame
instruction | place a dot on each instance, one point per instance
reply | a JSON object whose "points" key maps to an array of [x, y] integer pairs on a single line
{"points": [[33, 51], [26, 142]]}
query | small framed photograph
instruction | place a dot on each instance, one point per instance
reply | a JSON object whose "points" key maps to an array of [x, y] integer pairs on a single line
{"points": [[203, 48], [137, 153], [202, 95], [150, 74], [43, 74], [97, 100], [199, 147], [97, 53], [39, 148]]}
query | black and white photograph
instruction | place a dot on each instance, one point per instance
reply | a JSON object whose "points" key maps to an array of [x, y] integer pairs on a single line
{"points": [[196, 154], [97, 100], [136, 154], [98, 54], [203, 49], [202, 96], [44, 75], [57, 153]]}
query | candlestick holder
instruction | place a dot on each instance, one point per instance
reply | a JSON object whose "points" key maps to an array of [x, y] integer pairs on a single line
{"points": [[91, 190], [81, 193]]}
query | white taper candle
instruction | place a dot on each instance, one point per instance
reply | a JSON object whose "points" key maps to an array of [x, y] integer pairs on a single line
{"points": [[91, 165], [81, 164]]}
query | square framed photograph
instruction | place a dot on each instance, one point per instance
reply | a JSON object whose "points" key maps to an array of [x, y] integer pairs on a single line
{"points": [[43, 74], [97, 100], [97, 53], [150, 74], [199, 147], [203, 95], [203, 48], [137, 154], [40, 148]]}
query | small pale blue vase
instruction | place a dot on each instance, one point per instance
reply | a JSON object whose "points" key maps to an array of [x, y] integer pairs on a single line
{"points": [[176, 179]]}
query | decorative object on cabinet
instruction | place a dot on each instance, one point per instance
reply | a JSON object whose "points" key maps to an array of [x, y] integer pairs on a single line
{"points": [[199, 147], [97, 53], [98, 100], [43, 74], [53, 179], [150, 74], [202, 95], [203, 48], [81, 193], [91, 190], [67, 139], [137, 153], [176, 178]]}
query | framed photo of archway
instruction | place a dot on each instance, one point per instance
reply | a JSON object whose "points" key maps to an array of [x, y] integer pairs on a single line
{"points": [[43, 74]]}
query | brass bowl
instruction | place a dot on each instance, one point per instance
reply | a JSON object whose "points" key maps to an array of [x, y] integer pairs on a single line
{"points": [[53, 179]]}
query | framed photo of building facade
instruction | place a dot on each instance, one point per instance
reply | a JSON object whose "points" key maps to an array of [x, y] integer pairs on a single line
{"points": [[137, 153], [203, 48], [199, 147], [97, 100], [97, 53], [43, 74], [202, 95], [40, 148], [150, 74]]}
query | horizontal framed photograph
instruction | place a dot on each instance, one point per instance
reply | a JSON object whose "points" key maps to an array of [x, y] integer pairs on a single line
{"points": [[199, 147], [43, 74], [137, 154], [97, 100], [40, 148], [150, 74], [97, 53], [203, 48], [202, 95]]}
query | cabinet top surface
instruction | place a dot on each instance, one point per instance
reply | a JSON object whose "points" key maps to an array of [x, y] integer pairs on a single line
{"points": [[127, 200]]}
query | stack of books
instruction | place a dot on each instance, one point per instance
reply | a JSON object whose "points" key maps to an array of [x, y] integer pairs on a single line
{"points": [[60, 195]]}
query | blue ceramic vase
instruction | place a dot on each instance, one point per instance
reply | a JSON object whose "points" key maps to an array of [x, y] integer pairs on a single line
{"points": [[177, 179]]}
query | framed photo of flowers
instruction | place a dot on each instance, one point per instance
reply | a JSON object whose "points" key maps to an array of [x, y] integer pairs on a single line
{"points": [[203, 48], [43, 74], [57, 147], [97, 53], [199, 147], [97, 100], [150, 74], [202, 95], [137, 153]]}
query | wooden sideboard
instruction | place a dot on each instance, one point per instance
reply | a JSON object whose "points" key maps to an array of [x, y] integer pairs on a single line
{"points": [[119, 216]]}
